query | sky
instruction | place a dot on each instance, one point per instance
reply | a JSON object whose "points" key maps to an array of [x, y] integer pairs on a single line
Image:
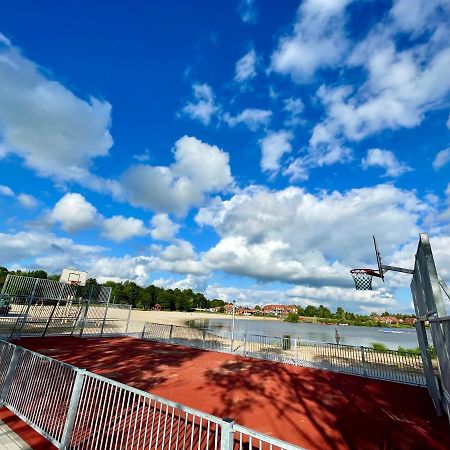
{"points": [[246, 149]]}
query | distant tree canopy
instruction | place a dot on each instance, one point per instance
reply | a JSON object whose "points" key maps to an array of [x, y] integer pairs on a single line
{"points": [[128, 292]]}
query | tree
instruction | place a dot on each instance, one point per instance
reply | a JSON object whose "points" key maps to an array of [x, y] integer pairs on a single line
{"points": [[340, 313], [258, 308], [311, 311]]}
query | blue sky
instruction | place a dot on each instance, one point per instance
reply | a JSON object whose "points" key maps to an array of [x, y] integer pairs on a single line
{"points": [[246, 149]]}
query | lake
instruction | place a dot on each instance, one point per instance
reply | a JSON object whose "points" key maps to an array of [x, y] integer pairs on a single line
{"points": [[350, 335]]}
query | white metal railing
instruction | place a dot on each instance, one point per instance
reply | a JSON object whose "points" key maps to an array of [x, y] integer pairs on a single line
{"points": [[389, 365], [76, 409]]}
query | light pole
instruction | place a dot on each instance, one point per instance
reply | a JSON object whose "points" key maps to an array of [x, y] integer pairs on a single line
{"points": [[232, 326]]}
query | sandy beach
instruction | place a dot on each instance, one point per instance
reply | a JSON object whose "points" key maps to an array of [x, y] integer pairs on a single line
{"points": [[180, 318]]}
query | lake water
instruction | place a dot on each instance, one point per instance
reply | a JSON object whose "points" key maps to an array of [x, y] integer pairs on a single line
{"points": [[350, 335]]}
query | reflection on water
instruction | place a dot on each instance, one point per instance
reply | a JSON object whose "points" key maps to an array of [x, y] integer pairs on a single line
{"points": [[350, 335]]}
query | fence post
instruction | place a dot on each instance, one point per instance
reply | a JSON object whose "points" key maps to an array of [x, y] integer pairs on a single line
{"points": [[143, 330], [49, 319], [104, 320], [24, 320], [72, 410], [227, 434], [83, 321], [10, 374], [363, 358], [245, 343], [170, 333], [128, 320], [203, 338], [296, 351]]}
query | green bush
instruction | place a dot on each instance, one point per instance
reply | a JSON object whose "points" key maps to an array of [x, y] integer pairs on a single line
{"points": [[286, 342], [408, 351], [432, 352], [379, 347], [291, 317]]}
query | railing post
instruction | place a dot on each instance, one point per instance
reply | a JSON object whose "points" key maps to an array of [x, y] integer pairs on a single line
{"points": [[227, 434], [143, 330], [203, 338], [10, 374], [128, 319], [363, 358], [296, 351], [245, 343], [72, 410], [104, 320], [170, 333], [30, 302], [83, 321], [49, 319]]}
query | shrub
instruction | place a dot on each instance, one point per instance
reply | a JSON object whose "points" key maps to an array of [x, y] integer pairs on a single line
{"points": [[379, 347], [291, 317], [408, 351]]}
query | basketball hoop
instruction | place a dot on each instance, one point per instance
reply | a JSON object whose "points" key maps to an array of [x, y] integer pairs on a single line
{"points": [[363, 278]]}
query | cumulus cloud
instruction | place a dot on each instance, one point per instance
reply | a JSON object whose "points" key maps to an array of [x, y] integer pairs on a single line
{"points": [[51, 252], [56, 133], [199, 169], [317, 40], [6, 191], [246, 67], [251, 117], [401, 84], [120, 228], [247, 11], [273, 146], [74, 213], [163, 229], [377, 157], [441, 159], [203, 106], [27, 200], [298, 237], [294, 108]]}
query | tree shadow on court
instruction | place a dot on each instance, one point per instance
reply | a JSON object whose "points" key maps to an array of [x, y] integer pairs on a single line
{"points": [[139, 363], [324, 410]]}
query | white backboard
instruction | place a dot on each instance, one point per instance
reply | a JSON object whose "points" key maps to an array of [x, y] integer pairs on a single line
{"points": [[72, 276]]}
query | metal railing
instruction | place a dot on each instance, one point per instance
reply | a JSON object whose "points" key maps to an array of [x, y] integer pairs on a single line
{"points": [[76, 409], [389, 365]]}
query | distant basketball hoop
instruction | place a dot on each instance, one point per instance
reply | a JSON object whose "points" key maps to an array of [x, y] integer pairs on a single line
{"points": [[363, 277], [73, 277]]}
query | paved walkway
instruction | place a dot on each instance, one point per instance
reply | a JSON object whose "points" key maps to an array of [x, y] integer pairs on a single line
{"points": [[9, 440]]}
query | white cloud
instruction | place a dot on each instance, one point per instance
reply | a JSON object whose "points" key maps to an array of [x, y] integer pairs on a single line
{"points": [[46, 247], [247, 11], [6, 190], [55, 132], [120, 228], [199, 169], [27, 200], [273, 146], [246, 67], [401, 85], [377, 157], [253, 118], [198, 283], [163, 229], [294, 108], [297, 237], [74, 213], [441, 159], [317, 40], [203, 107]]}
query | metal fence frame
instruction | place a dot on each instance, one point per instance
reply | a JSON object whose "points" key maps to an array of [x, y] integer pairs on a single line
{"points": [[76, 409], [426, 288]]}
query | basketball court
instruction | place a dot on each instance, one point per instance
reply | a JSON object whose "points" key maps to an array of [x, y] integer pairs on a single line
{"points": [[311, 408]]}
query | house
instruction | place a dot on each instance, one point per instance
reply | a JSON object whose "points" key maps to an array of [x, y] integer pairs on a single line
{"points": [[279, 309]]}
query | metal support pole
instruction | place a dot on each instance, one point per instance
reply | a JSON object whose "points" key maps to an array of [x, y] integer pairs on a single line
{"points": [[203, 338], [232, 326], [296, 351], [10, 374], [128, 320], [143, 330], [30, 302], [227, 434], [6, 284], [245, 343], [363, 358], [104, 320], [83, 321], [49, 319], [72, 411], [170, 333]]}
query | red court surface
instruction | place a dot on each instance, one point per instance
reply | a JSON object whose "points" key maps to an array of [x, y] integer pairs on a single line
{"points": [[311, 408]]}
